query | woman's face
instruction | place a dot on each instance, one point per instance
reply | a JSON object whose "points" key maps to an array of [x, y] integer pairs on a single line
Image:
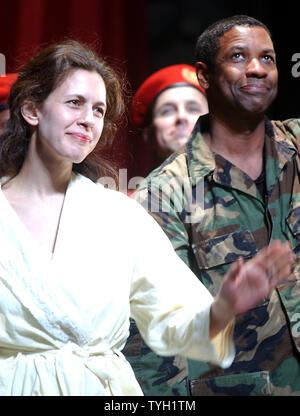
{"points": [[70, 120]]}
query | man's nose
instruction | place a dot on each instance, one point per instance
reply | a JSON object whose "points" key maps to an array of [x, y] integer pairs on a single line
{"points": [[256, 68], [181, 114]]}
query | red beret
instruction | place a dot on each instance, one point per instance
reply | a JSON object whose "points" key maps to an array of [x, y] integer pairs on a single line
{"points": [[155, 84], [6, 81]]}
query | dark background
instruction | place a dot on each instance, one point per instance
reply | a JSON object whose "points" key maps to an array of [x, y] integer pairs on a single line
{"points": [[140, 36]]}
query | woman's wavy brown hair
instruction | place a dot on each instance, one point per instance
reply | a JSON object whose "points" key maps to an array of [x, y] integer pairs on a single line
{"points": [[36, 80]]}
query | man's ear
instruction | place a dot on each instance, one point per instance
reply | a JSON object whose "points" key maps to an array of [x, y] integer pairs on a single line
{"points": [[30, 113], [202, 74]]}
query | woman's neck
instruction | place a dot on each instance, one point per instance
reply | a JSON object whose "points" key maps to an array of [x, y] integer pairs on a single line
{"points": [[40, 179]]}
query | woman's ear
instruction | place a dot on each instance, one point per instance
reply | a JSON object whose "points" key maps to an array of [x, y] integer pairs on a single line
{"points": [[202, 74], [30, 113]]}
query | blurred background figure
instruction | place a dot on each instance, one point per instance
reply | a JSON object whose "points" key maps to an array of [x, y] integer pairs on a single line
{"points": [[166, 107], [6, 81]]}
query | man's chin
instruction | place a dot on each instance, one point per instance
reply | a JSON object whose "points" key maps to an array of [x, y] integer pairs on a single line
{"points": [[258, 105], [180, 141], [172, 147]]}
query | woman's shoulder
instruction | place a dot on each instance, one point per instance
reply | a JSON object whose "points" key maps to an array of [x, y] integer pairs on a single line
{"points": [[116, 208], [102, 194]]}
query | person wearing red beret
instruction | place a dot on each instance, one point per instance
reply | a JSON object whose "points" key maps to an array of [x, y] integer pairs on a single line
{"points": [[166, 107], [6, 81]]}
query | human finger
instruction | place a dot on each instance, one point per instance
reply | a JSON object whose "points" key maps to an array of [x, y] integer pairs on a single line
{"points": [[275, 257], [276, 275], [279, 259]]}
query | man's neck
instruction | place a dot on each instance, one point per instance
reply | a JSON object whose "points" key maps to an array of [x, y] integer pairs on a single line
{"points": [[240, 143]]}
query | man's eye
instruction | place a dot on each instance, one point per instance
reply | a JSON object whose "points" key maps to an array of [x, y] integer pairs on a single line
{"points": [[193, 109], [166, 111], [237, 55], [269, 58]]}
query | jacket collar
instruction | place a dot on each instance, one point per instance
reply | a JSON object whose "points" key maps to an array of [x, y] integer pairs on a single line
{"points": [[202, 162]]}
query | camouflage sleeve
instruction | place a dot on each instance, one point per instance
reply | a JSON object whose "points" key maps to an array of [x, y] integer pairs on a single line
{"points": [[290, 130], [164, 201], [159, 376]]}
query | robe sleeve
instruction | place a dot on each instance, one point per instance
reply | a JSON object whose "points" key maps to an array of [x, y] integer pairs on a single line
{"points": [[170, 305]]}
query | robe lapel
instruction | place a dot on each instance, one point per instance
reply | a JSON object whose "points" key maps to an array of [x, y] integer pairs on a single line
{"points": [[29, 273]]}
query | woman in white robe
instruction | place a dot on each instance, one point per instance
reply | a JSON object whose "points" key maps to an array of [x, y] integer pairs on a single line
{"points": [[78, 260]]}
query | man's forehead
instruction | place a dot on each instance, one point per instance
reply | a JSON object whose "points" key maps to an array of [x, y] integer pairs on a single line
{"points": [[245, 34], [237, 33]]}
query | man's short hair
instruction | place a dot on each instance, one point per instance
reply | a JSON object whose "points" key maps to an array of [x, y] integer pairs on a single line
{"points": [[208, 44]]}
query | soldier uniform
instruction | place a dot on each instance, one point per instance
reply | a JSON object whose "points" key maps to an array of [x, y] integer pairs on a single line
{"points": [[214, 213]]}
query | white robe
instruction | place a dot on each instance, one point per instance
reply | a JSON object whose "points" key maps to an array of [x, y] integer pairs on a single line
{"points": [[64, 318]]}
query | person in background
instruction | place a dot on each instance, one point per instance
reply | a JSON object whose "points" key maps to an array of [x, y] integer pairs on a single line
{"points": [[166, 107], [241, 173], [6, 82]]}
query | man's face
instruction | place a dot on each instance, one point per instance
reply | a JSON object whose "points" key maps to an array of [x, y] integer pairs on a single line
{"points": [[175, 113], [245, 75]]}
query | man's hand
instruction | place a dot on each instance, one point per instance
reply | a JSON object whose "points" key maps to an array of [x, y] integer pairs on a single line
{"points": [[247, 283]]}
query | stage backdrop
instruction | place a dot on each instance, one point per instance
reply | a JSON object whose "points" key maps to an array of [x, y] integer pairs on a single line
{"points": [[141, 36]]}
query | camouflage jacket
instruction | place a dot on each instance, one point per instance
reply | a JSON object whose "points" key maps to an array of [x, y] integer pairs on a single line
{"points": [[213, 213]]}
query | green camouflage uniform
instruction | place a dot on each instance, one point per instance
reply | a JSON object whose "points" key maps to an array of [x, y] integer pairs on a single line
{"points": [[158, 376], [214, 213]]}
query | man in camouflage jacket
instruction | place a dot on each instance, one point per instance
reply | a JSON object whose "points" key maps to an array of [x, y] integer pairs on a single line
{"points": [[226, 194]]}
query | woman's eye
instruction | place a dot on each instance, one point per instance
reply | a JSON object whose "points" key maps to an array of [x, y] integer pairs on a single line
{"points": [[74, 102], [100, 111]]}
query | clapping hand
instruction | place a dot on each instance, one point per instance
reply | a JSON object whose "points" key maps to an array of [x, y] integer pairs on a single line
{"points": [[247, 283]]}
